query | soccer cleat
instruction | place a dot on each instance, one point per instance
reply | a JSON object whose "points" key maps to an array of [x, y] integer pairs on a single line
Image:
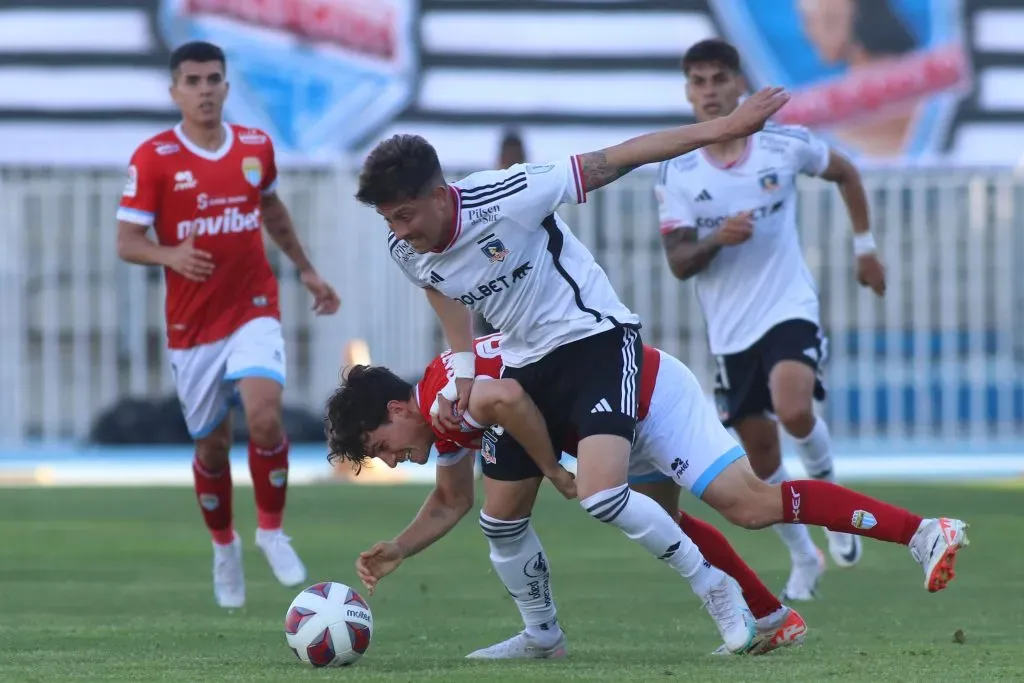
{"points": [[724, 602], [934, 546], [773, 632], [803, 579], [521, 646], [281, 557], [845, 549], [228, 576]]}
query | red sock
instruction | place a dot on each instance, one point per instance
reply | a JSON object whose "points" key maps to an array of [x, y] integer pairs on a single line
{"points": [[715, 548], [269, 470], [213, 491], [822, 503]]}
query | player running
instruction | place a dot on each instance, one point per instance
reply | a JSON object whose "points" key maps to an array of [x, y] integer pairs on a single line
{"points": [[728, 219], [493, 244], [679, 443], [377, 414], [207, 188]]}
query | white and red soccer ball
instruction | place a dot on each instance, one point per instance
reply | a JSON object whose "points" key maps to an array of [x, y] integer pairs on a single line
{"points": [[328, 624]]}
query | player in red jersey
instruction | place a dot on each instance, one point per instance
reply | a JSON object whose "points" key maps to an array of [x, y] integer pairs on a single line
{"points": [[679, 443], [206, 189]]}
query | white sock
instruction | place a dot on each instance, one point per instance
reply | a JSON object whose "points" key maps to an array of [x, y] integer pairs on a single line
{"points": [[796, 537], [646, 522], [815, 452], [521, 564]]}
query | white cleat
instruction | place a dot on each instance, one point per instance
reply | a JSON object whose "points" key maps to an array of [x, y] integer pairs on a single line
{"points": [[228, 576], [735, 623], [785, 628], [281, 557], [845, 549], [934, 546], [521, 646], [803, 579]]}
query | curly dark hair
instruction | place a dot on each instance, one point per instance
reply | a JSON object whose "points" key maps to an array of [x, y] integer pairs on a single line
{"points": [[359, 406], [401, 168], [713, 51]]}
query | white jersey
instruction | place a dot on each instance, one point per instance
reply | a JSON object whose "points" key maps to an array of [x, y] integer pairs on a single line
{"points": [[749, 288], [512, 259]]}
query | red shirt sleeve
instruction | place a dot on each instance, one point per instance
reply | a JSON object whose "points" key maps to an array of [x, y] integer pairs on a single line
{"points": [[140, 199], [269, 185]]}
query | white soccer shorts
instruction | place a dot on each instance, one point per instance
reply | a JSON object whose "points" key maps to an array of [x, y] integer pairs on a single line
{"points": [[205, 375], [681, 438]]}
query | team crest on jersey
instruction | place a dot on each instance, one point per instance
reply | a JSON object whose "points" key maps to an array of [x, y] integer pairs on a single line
{"points": [[896, 104], [317, 75], [252, 169], [769, 181], [495, 250], [489, 447]]}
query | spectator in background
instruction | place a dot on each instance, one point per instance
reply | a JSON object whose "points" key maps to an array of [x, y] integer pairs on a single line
{"points": [[510, 152]]}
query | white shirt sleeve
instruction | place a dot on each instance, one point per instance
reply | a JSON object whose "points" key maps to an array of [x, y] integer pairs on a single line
{"points": [[449, 459], [673, 208], [547, 186], [811, 152]]}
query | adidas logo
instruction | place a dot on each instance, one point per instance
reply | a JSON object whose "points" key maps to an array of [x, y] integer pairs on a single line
{"points": [[435, 278], [601, 407], [703, 196]]}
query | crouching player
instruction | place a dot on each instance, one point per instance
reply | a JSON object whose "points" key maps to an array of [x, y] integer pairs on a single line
{"points": [[377, 414]]}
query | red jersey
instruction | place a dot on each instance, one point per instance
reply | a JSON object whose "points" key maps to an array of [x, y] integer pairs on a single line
{"points": [[488, 362], [180, 189]]}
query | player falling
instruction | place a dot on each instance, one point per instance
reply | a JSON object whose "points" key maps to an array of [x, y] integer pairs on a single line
{"points": [[679, 444], [728, 219], [207, 188]]}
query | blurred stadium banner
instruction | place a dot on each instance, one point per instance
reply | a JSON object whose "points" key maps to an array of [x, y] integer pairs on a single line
{"points": [[909, 81]]}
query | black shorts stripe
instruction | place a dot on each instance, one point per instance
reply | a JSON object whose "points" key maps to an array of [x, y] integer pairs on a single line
{"points": [[483, 190], [490, 198], [629, 374]]}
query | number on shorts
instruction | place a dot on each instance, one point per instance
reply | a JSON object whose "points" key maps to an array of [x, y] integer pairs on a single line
{"points": [[489, 346]]}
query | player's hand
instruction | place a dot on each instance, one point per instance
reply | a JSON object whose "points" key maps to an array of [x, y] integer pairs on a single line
{"points": [[325, 299], [377, 562], [564, 481], [449, 415], [871, 273], [735, 230], [189, 262], [750, 116]]}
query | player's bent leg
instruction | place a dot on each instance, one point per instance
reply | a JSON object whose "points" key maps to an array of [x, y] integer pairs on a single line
{"points": [[760, 438], [211, 471], [268, 465], [520, 562], [603, 461], [747, 501], [777, 625], [792, 384]]}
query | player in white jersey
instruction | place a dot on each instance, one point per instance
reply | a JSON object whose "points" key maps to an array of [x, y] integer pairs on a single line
{"points": [[493, 244], [727, 217]]}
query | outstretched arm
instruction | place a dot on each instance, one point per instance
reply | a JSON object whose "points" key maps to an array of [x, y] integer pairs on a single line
{"points": [[604, 166], [448, 503]]}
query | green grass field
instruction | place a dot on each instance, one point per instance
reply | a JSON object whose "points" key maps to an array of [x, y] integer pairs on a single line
{"points": [[114, 585]]}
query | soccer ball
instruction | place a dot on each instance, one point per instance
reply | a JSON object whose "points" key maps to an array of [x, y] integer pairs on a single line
{"points": [[328, 624]]}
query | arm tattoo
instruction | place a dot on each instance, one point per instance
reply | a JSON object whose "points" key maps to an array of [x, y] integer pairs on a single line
{"points": [[279, 226], [598, 172], [688, 255]]}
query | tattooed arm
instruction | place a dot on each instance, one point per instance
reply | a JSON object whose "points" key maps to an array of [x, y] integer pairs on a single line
{"points": [[687, 255], [278, 223], [606, 165]]}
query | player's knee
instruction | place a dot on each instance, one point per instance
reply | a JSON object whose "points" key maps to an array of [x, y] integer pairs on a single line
{"points": [[797, 417], [742, 498], [212, 451], [265, 428]]}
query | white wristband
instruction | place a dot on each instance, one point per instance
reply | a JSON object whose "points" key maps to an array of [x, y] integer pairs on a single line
{"points": [[863, 243], [464, 365]]}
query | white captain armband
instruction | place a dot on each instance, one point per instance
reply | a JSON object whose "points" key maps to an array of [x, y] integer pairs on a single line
{"points": [[863, 243]]}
